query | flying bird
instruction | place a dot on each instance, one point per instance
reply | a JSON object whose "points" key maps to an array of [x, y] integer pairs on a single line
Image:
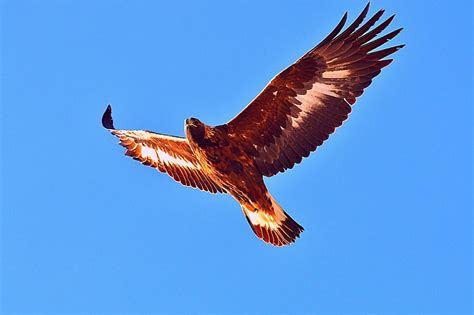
{"points": [[293, 115]]}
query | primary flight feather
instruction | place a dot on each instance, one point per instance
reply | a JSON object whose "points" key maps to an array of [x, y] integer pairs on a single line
{"points": [[293, 115]]}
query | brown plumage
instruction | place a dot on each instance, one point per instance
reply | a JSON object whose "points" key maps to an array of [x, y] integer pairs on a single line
{"points": [[293, 115]]}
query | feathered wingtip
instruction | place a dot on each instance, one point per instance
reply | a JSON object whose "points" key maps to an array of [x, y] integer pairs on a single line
{"points": [[107, 120]]}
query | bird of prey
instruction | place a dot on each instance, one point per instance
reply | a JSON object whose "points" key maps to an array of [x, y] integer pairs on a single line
{"points": [[293, 115]]}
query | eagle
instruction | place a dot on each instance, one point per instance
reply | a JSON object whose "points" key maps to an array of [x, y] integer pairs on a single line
{"points": [[293, 115]]}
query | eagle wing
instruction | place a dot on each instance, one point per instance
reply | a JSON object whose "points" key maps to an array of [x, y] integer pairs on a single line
{"points": [[301, 106], [167, 154]]}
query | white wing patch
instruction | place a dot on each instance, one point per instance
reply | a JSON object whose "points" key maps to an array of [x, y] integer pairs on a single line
{"points": [[338, 74], [157, 155], [150, 153], [169, 159], [314, 97], [328, 89], [308, 103], [167, 154]]}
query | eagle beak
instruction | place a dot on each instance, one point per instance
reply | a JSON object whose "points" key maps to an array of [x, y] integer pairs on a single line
{"points": [[190, 122]]}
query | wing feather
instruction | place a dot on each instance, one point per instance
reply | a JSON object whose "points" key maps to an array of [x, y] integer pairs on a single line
{"points": [[168, 154], [301, 106]]}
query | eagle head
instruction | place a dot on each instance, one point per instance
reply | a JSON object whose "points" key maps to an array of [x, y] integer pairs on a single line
{"points": [[195, 129]]}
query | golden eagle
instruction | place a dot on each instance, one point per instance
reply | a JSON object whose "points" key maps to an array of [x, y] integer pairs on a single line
{"points": [[293, 115]]}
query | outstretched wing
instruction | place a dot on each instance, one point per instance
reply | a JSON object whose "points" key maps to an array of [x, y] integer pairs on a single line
{"points": [[168, 154], [306, 102]]}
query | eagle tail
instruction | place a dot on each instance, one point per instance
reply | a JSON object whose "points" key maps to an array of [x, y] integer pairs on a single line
{"points": [[274, 225]]}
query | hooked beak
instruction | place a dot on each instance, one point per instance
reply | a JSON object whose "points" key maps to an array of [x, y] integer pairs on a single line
{"points": [[191, 122]]}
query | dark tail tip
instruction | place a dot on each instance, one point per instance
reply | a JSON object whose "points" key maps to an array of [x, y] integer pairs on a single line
{"points": [[107, 120]]}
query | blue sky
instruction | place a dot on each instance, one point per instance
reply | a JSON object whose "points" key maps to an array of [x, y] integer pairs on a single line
{"points": [[386, 203]]}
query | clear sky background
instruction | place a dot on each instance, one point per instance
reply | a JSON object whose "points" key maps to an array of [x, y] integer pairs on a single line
{"points": [[386, 202]]}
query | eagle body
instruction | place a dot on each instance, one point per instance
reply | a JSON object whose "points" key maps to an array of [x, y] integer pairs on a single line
{"points": [[232, 166], [293, 115]]}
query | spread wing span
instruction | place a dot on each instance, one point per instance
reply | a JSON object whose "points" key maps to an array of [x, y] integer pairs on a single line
{"points": [[305, 103], [168, 154]]}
